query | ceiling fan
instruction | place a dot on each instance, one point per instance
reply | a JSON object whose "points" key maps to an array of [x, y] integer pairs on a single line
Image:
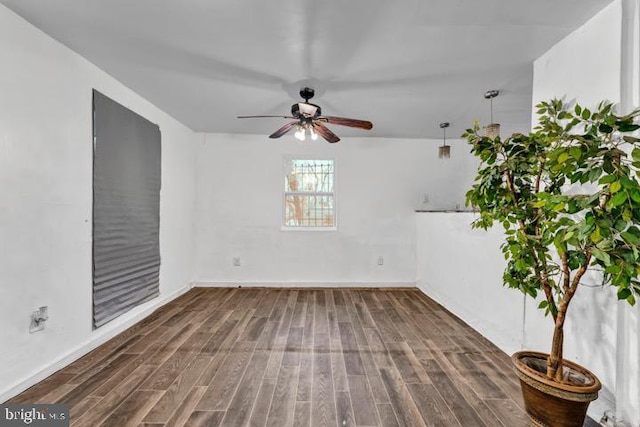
{"points": [[308, 117]]}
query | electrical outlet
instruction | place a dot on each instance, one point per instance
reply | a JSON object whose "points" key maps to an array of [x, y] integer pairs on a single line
{"points": [[38, 319], [380, 260], [236, 261]]}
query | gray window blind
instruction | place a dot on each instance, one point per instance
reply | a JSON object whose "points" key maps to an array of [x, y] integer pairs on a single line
{"points": [[126, 209]]}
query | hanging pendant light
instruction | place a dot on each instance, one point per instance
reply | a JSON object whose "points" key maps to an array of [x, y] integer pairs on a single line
{"points": [[444, 151], [492, 130]]}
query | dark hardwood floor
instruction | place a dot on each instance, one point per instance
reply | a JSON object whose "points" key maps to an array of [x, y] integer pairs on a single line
{"points": [[267, 357]]}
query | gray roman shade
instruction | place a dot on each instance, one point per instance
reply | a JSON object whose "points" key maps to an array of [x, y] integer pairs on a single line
{"points": [[126, 209]]}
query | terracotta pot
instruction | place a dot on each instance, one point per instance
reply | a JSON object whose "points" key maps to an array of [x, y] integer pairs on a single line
{"points": [[549, 403]]}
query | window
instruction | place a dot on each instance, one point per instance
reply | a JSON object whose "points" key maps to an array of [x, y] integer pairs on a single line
{"points": [[309, 195]]}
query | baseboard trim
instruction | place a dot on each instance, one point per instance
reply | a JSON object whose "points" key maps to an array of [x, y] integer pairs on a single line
{"points": [[98, 338], [362, 285]]}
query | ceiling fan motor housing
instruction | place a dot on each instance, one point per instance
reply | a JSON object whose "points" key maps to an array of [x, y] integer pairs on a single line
{"points": [[305, 110]]}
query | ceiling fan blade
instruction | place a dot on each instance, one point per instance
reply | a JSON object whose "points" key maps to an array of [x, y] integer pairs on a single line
{"points": [[253, 117], [284, 129], [324, 132], [343, 121]]}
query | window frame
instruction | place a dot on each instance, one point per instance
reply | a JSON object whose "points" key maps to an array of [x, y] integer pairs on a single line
{"points": [[285, 193]]}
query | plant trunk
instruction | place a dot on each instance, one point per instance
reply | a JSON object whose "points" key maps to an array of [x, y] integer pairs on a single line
{"points": [[554, 363]]}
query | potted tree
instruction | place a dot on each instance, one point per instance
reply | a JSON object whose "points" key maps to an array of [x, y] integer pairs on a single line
{"points": [[568, 198]]}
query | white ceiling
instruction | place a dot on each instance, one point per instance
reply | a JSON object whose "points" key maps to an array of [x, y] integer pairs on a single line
{"points": [[405, 65]]}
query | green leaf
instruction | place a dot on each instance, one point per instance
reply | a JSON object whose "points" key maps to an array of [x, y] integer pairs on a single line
{"points": [[576, 152], [615, 187], [631, 238], [624, 293], [601, 255], [595, 236], [627, 127], [607, 179], [594, 174], [635, 153], [630, 139], [604, 128], [618, 199], [586, 114], [563, 157]]}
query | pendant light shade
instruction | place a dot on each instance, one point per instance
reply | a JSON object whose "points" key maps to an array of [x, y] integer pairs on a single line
{"points": [[444, 151], [492, 130]]}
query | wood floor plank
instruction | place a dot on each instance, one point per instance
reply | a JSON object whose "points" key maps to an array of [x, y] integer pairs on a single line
{"points": [[302, 415], [321, 320], [204, 419], [387, 415], [262, 403], [362, 400], [282, 409], [309, 322], [344, 410], [220, 392], [385, 327], [148, 340], [254, 329], [339, 369], [381, 355], [432, 406], [373, 375], [242, 402], [323, 408], [268, 336], [293, 347], [166, 350], [176, 363], [133, 409], [177, 391], [508, 412], [81, 408], [300, 311], [350, 349], [463, 411], [109, 403], [303, 393], [291, 357], [87, 387], [402, 402], [183, 411], [409, 366]]}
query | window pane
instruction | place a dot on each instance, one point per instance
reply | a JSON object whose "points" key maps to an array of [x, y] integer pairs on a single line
{"points": [[312, 176], [309, 211]]}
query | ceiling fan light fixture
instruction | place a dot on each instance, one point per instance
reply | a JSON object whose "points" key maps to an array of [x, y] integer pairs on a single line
{"points": [[444, 151], [314, 136], [492, 130]]}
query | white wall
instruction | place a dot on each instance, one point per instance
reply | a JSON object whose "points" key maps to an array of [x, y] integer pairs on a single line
{"points": [[379, 184], [46, 202], [461, 268]]}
